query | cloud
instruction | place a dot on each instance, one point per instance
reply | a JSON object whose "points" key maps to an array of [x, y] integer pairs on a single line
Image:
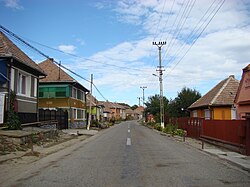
{"points": [[67, 48], [222, 50], [14, 4]]}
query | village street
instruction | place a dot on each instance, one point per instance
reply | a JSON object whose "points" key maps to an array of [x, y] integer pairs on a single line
{"points": [[129, 154]]}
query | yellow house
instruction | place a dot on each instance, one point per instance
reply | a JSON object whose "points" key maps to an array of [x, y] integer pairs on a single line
{"points": [[218, 103]]}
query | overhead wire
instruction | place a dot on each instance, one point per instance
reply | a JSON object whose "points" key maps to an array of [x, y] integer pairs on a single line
{"points": [[193, 32], [186, 13], [46, 56], [223, 1], [84, 58]]}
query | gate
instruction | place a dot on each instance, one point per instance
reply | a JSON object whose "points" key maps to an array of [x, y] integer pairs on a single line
{"points": [[59, 115]]}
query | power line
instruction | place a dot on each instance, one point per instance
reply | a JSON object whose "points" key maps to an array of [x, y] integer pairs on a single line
{"points": [[182, 22], [194, 31], [196, 39], [17, 38], [84, 58]]}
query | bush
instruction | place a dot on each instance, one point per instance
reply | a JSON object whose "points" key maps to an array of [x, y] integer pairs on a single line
{"points": [[158, 127], [149, 123], [173, 129], [13, 122]]}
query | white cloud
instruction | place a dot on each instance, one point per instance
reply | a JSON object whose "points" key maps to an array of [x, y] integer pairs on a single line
{"points": [[14, 4], [222, 50], [67, 48]]}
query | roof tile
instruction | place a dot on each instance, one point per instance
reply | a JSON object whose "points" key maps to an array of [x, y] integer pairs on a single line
{"points": [[54, 74], [222, 94], [9, 49]]}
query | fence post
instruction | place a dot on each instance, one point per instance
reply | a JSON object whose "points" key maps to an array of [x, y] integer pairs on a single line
{"points": [[248, 135]]}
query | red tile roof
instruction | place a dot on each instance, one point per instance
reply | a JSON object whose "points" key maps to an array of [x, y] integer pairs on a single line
{"points": [[9, 49], [54, 74], [222, 94]]}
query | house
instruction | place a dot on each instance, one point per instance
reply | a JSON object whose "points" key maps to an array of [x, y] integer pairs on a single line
{"points": [[60, 91], [139, 110], [118, 111], [218, 103], [242, 99], [20, 74], [106, 110], [113, 110], [131, 114], [96, 109]]}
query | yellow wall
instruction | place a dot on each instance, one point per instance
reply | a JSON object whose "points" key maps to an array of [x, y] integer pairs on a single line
{"points": [[222, 113], [217, 113], [60, 102]]}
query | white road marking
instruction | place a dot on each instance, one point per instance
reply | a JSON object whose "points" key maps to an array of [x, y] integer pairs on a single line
{"points": [[128, 130], [128, 141], [128, 126]]}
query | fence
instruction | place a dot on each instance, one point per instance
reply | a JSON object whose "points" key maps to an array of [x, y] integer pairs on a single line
{"points": [[59, 115], [232, 134]]}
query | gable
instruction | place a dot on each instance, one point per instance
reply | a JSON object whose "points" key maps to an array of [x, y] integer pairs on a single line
{"points": [[243, 94], [9, 50]]}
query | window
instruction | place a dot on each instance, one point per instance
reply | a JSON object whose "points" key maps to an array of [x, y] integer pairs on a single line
{"points": [[60, 92], [21, 84], [52, 92], [32, 87], [233, 113], [79, 94], [74, 92], [195, 114], [207, 114], [79, 114], [74, 114]]}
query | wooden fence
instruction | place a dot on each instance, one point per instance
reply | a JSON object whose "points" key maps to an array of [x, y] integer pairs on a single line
{"points": [[232, 134]]}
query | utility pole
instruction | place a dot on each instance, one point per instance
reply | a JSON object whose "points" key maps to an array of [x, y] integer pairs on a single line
{"points": [[160, 69], [139, 100], [90, 102], [143, 100], [143, 87]]}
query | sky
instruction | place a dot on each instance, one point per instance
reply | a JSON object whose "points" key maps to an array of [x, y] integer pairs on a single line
{"points": [[206, 41]]}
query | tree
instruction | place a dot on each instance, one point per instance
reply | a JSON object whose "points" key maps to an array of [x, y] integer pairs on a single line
{"points": [[153, 106], [186, 97], [134, 107]]}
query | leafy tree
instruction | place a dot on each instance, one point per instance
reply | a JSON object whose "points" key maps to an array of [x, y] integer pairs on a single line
{"points": [[153, 106], [134, 107], [186, 97], [124, 104]]}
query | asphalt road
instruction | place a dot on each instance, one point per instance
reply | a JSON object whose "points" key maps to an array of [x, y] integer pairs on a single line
{"points": [[131, 155]]}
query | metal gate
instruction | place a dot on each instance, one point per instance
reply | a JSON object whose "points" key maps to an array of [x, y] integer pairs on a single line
{"points": [[59, 115]]}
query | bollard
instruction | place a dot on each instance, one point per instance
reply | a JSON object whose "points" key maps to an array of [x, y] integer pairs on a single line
{"points": [[31, 144], [184, 136], [202, 144]]}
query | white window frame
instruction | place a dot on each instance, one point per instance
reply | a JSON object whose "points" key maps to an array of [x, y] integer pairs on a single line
{"points": [[233, 113], [195, 114], [207, 114]]}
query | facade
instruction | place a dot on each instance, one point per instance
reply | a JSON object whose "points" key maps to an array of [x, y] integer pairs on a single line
{"points": [[20, 74], [107, 112], [59, 90], [242, 100], [218, 103], [112, 111], [96, 109]]}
